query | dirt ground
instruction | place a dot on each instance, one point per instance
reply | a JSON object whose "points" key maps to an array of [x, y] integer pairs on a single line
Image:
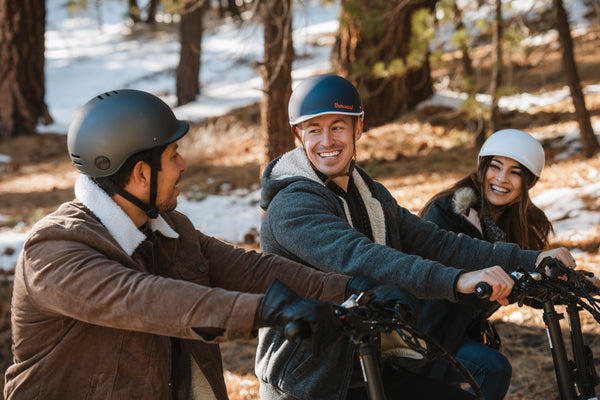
{"points": [[415, 156]]}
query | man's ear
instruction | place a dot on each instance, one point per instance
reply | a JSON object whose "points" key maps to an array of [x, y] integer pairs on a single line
{"points": [[296, 133], [359, 128], [140, 174]]}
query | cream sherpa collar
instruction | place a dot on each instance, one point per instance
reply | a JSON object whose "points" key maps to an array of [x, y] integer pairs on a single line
{"points": [[295, 163], [120, 226]]}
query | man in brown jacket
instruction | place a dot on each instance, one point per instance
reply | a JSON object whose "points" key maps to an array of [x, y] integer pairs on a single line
{"points": [[118, 296]]}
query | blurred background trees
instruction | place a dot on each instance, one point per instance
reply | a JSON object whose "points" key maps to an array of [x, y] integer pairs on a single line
{"points": [[22, 86], [383, 46]]}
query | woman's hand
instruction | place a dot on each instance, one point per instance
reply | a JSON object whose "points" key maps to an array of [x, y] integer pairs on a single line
{"points": [[562, 254]]}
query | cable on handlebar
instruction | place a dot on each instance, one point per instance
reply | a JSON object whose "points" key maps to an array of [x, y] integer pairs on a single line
{"points": [[363, 320]]}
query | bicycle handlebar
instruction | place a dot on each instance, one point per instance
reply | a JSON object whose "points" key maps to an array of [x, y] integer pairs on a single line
{"points": [[363, 321], [551, 281]]}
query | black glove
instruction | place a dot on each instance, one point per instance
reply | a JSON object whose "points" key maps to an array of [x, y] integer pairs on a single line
{"points": [[386, 296], [281, 305]]}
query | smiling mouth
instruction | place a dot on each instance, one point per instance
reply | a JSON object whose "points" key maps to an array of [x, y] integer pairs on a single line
{"points": [[499, 189], [330, 154]]}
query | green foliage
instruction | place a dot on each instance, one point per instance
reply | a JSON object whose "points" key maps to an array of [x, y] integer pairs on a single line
{"points": [[75, 6], [446, 7], [170, 6], [423, 30], [395, 68], [459, 38], [484, 26], [474, 109]]}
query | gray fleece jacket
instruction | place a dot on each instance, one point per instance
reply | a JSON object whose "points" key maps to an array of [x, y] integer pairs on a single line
{"points": [[307, 222]]}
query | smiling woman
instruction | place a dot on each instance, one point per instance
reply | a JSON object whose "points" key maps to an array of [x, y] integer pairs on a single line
{"points": [[492, 204]]}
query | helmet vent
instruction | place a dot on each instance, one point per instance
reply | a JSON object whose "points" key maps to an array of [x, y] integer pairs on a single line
{"points": [[76, 159], [107, 94]]}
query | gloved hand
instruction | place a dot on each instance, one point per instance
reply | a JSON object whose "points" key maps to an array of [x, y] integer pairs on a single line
{"points": [[280, 305], [386, 296]]}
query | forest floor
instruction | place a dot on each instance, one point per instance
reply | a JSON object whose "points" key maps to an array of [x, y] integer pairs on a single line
{"points": [[415, 156]]}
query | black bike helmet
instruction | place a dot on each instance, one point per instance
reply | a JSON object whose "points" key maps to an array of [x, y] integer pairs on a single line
{"points": [[115, 125], [323, 94]]}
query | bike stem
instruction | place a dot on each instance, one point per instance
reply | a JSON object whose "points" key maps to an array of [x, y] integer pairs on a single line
{"points": [[566, 385], [370, 367]]}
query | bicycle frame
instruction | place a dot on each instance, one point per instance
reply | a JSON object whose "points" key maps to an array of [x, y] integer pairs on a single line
{"points": [[576, 378]]}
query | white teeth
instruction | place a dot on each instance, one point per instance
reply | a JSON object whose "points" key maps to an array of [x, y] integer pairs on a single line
{"points": [[499, 189], [330, 154]]}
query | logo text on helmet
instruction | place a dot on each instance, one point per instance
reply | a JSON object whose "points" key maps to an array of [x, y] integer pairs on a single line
{"points": [[347, 107]]}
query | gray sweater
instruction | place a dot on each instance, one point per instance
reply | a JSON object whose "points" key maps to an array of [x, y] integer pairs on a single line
{"points": [[307, 222]]}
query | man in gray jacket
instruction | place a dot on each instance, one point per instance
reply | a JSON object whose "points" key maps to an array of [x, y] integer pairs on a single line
{"points": [[323, 211], [118, 296]]}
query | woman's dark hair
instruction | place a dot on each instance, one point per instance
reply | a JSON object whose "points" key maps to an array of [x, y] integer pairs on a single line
{"points": [[523, 222], [121, 177]]}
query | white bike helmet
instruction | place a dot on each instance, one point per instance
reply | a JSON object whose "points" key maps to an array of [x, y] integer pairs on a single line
{"points": [[518, 145]]}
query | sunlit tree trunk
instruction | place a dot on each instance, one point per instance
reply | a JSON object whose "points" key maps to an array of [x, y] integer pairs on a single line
{"points": [[190, 36], [589, 141], [22, 84], [276, 70], [496, 78], [377, 50]]}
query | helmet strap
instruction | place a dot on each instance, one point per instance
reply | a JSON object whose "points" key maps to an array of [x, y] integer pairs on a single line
{"points": [[150, 208], [152, 211], [129, 197]]}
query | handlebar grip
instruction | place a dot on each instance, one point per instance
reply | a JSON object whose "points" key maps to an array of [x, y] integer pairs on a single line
{"points": [[483, 290], [295, 330]]}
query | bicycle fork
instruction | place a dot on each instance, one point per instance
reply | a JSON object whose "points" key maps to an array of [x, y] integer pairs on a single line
{"points": [[370, 369], [582, 369]]}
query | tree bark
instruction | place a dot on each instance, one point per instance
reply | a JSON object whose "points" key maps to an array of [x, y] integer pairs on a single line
{"points": [[22, 84], [134, 11], [190, 37], [152, 8], [589, 142], [276, 71], [496, 78], [379, 32]]}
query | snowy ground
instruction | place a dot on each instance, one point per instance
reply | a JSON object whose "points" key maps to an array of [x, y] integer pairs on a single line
{"points": [[85, 58]]}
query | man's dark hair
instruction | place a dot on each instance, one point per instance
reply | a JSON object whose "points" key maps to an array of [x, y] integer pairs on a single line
{"points": [[121, 177]]}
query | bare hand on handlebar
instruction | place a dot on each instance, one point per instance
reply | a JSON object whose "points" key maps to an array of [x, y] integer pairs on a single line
{"points": [[496, 277], [562, 254]]}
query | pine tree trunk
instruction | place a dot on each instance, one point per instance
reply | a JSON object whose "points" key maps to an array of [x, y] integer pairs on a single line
{"points": [[190, 36], [152, 8], [134, 11], [22, 85], [379, 31], [276, 71], [496, 78], [589, 141]]}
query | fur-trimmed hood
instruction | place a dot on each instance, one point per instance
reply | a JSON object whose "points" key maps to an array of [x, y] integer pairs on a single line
{"points": [[294, 165], [464, 199]]}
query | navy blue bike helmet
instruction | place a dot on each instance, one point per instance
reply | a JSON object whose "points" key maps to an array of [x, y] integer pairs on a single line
{"points": [[323, 94]]}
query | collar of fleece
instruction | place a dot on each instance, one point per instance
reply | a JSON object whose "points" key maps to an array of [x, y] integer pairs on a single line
{"points": [[295, 163], [114, 219]]}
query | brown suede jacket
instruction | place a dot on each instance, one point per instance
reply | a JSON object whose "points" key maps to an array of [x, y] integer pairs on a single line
{"points": [[98, 309]]}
